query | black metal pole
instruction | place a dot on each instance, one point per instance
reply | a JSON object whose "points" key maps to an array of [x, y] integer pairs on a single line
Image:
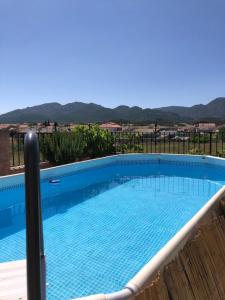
{"points": [[169, 141], [210, 143], [36, 269], [222, 139], [151, 139], [18, 148], [13, 150], [164, 149], [216, 143]]}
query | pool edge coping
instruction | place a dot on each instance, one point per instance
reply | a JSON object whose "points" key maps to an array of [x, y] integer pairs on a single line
{"points": [[62, 166], [116, 156]]}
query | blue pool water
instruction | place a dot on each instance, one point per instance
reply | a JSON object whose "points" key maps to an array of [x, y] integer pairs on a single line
{"points": [[103, 224]]}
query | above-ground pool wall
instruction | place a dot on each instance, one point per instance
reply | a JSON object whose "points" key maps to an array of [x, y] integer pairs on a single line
{"points": [[179, 158], [58, 171], [12, 180]]}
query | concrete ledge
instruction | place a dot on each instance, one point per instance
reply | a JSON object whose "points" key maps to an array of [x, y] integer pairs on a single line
{"points": [[13, 282]]}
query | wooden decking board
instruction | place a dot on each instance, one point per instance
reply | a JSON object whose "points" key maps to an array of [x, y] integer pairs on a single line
{"points": [[13, 280]]}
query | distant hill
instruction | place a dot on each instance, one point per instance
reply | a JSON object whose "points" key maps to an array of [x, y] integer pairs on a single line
{"points": [[79, 112], [213, 110]]}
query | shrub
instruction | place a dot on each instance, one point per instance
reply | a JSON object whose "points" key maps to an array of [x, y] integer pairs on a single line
{"points": [[129, 142], [98, 142], [195, 151], [122, 148], [82, 142], [200, 139], [222, 133], [62, 147], [221, 153]]}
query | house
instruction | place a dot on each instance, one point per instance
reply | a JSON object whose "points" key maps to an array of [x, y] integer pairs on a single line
{"points": [[4, 126], [47, 129], [23, 128], [205, 127], [112, 127], [170, 132]]}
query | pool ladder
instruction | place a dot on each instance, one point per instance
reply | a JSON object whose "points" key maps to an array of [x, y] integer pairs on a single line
{"points": [[36, 266]]}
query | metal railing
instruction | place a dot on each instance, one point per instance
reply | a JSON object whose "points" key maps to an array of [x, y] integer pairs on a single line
{"points": [[16, 140], [211, 143], [36, 269]]}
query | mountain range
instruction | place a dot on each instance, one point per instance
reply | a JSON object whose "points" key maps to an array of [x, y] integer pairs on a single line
{"points": [[79, 112], [213, 110]]}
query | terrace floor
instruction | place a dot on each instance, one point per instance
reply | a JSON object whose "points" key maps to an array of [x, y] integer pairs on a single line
{"points": [[13, 280]]}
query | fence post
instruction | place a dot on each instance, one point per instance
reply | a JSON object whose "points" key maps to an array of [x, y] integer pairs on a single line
{"points": [[4, 152], [36, 275], [210, 143]]}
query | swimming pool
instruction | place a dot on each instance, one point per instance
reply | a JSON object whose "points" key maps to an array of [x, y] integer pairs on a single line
{"points": [[105, 219]]}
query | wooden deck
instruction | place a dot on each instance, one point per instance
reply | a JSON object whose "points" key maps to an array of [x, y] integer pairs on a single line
{"points": [[13, 280]]}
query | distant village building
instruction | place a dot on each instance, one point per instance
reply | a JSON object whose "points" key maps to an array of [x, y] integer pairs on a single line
{"points": [[47, 129], [70, 126], [143, 130], [206, 127], [187, 128], [5, 126], [168, 132], [112, 127], [23, 128]]}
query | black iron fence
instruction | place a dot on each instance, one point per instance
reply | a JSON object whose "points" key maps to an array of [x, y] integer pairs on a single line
{"points": [[211, 143], [17, 147]]}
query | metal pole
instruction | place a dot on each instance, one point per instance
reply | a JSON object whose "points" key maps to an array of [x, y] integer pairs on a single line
{"points": [[169, 142], [210, 143], [18, 148], [13, 150], [36, 270]]}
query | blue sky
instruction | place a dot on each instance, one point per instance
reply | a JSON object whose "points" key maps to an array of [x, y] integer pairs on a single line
{"points": [[134, 52]]}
